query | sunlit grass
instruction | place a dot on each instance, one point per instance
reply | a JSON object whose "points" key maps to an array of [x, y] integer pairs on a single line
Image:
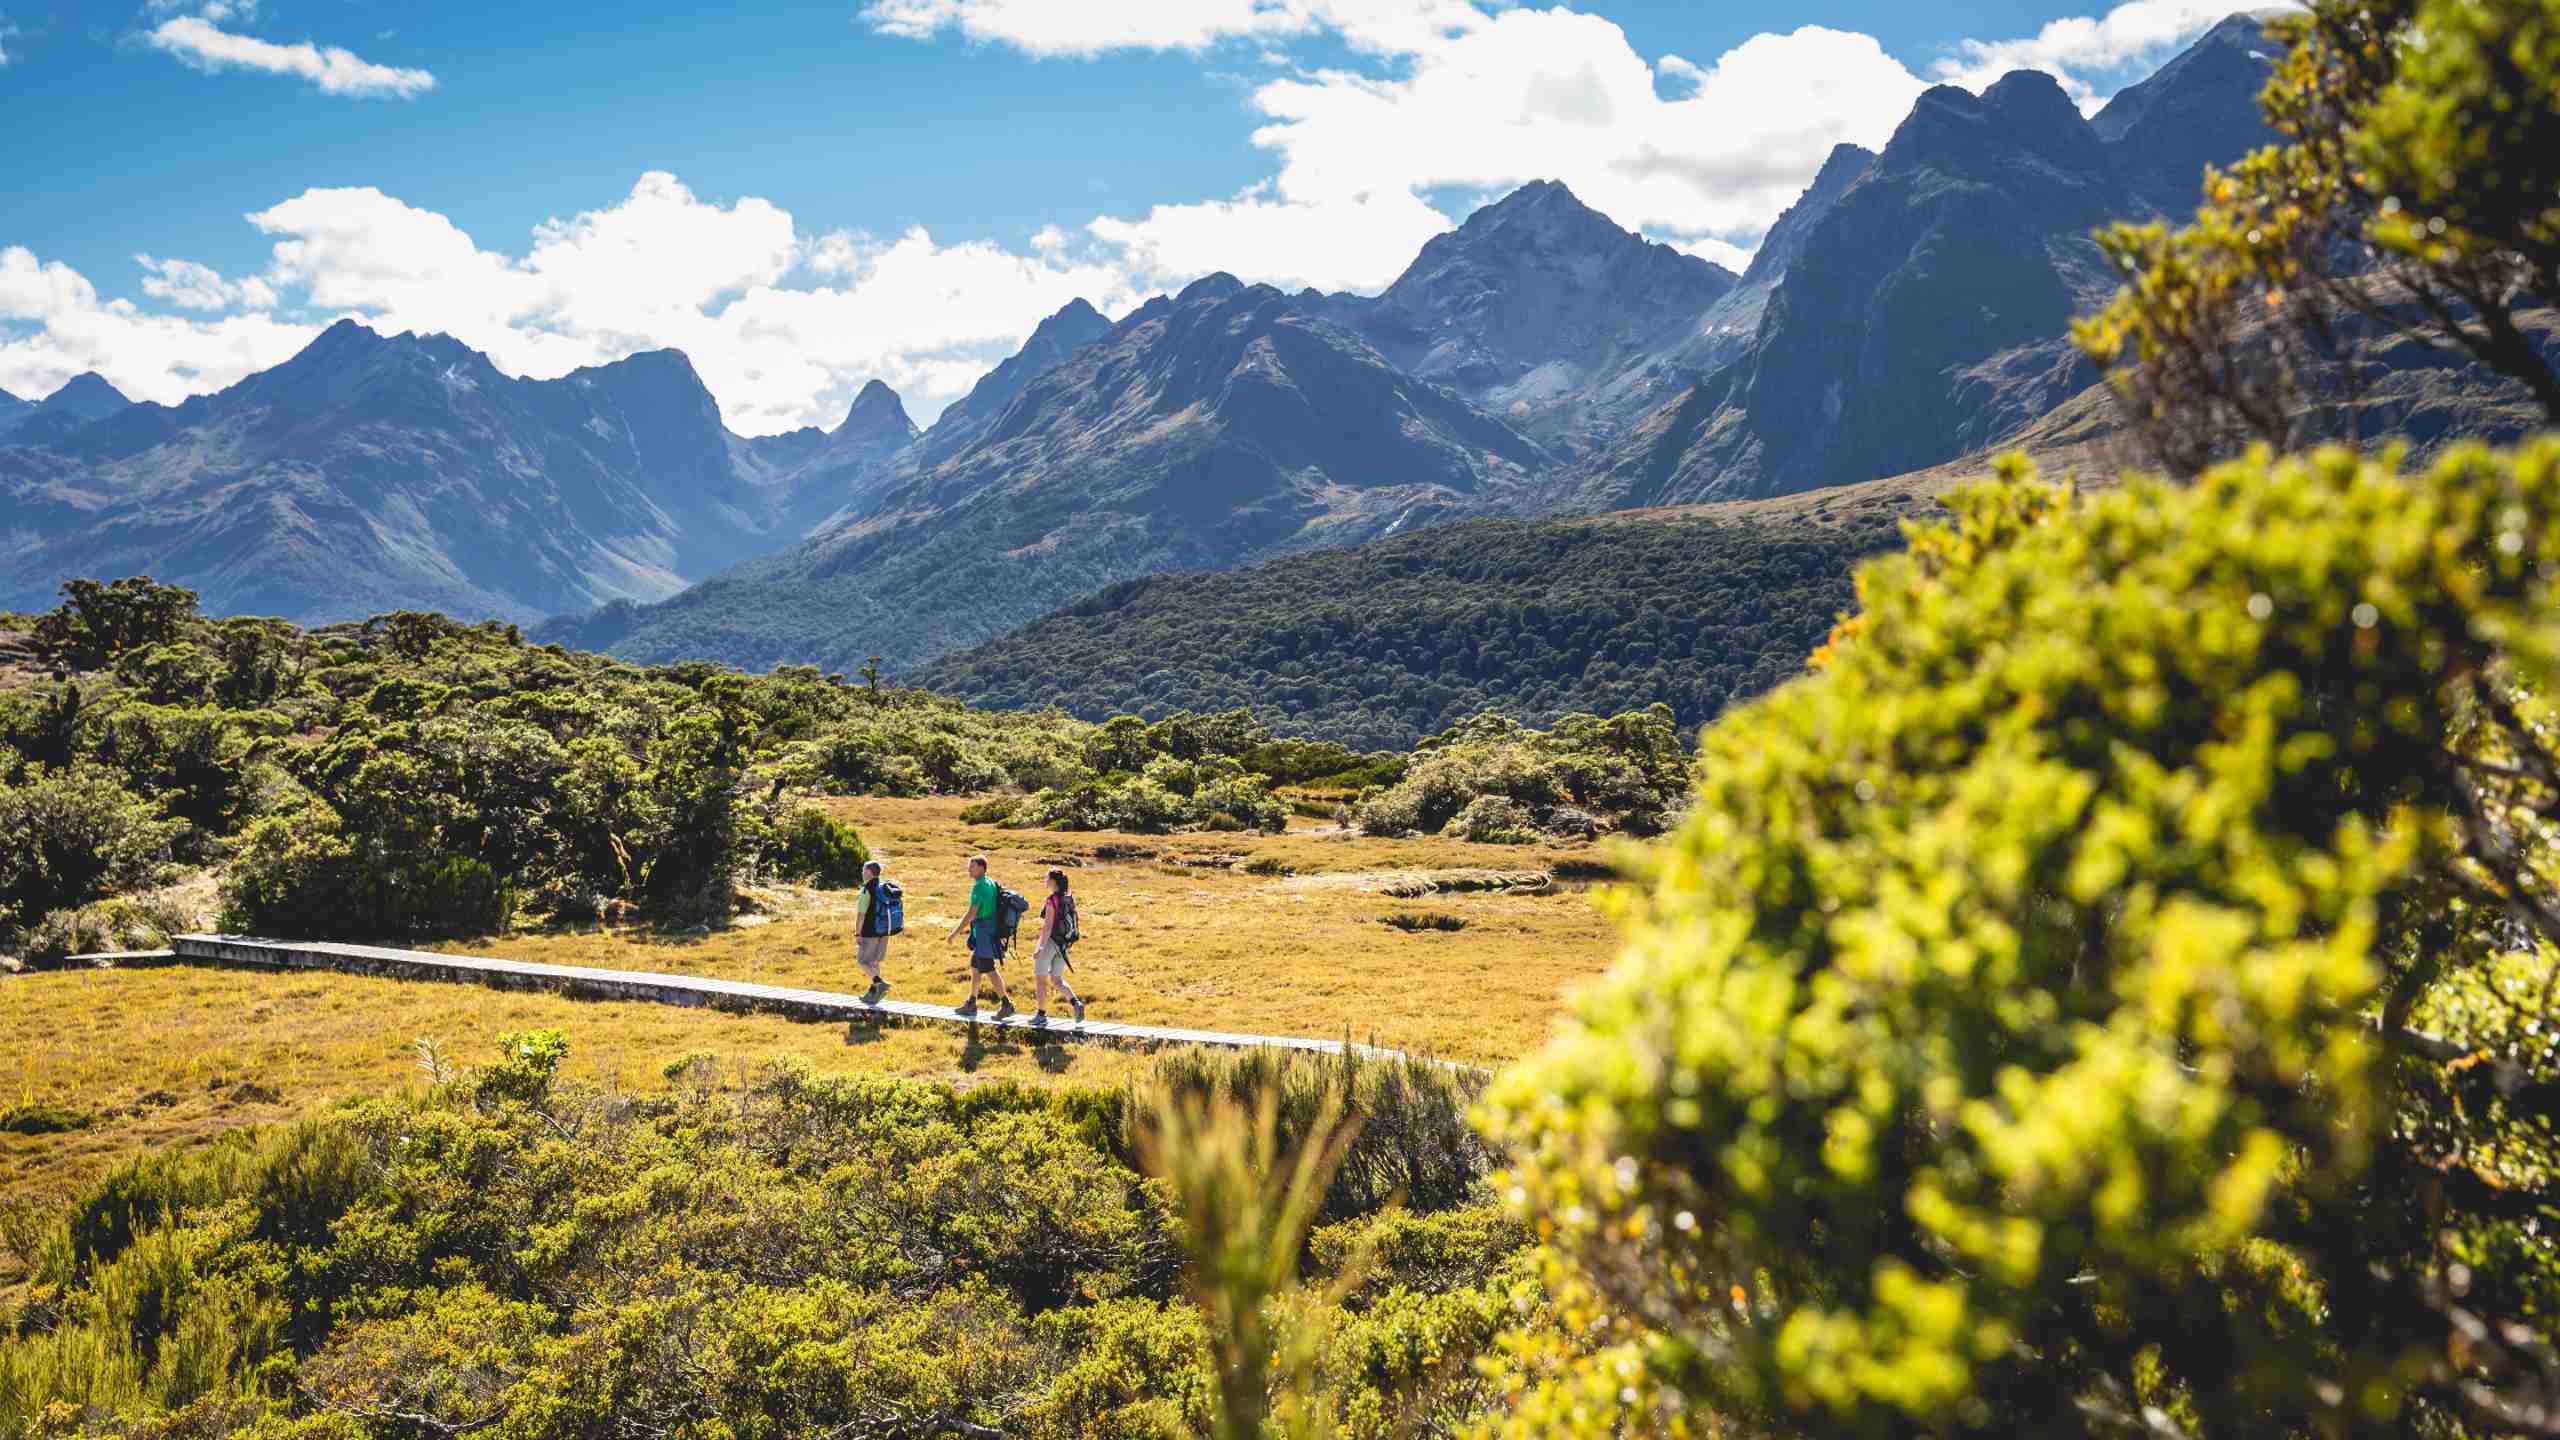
{"points": [[1266, 934]]}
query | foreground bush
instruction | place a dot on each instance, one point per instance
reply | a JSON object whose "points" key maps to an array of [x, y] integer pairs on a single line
{"points": [[2110, 997]]}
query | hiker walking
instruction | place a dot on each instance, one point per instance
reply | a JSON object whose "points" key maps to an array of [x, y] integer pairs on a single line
{"points": [[985, 944], [879, 911], [1049, 964]]}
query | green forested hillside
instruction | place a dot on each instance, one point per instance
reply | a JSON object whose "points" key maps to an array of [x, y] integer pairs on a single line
{"points": [[1379, 645]]}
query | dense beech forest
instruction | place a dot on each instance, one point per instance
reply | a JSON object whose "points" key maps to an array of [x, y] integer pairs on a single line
{"points": [[1378, 646]]}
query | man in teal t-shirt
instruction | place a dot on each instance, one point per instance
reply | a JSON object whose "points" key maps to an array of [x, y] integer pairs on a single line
{"points": [[981, 920]]}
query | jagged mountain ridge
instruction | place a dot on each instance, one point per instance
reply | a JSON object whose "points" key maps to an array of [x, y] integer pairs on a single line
{"points": [[1072, 327], [374, 472], [1923, 297], [1925, 315], [813, 475], [1225, 424]]}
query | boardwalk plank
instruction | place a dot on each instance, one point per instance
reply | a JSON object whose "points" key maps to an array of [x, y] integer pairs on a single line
{"points": [[595, 983]]}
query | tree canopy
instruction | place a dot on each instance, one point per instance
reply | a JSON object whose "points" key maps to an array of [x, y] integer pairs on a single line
{"points": [[1381, 645]]}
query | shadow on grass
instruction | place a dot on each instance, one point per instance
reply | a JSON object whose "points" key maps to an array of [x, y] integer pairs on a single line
{"points": [[975, 1051]]}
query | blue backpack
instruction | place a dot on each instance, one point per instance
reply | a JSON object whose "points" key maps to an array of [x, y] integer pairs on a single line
{"points": [[888, 909], [1011, 906]]}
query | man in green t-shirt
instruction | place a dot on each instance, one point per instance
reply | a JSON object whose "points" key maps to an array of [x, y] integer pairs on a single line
{"points": [[981, 922]]}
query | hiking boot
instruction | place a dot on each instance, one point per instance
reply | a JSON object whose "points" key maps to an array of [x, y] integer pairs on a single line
{"points": [[1039, 1019], [878, 989], [967, 1009], [1079, 1004], [1004, 1010]]}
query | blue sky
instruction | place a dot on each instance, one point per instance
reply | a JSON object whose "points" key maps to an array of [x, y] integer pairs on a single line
{"points": [[806, 195]]}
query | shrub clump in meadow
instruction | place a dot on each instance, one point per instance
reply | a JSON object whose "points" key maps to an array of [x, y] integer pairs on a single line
{"points": [[1492, 778]]}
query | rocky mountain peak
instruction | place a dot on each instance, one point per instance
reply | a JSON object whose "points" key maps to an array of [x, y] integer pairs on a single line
{"points": [[87, 395], [1073, 324], [82, 400], [878, 411], [2199, 109], [2024, 114], [1219, 286], [1548, 203], [1784, 243]]}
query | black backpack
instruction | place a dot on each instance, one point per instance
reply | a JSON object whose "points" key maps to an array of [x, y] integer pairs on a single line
{"points": [[1067, 932]]}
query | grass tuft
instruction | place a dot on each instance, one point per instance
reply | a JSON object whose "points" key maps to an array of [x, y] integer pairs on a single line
{"points": [[1415, 924]]}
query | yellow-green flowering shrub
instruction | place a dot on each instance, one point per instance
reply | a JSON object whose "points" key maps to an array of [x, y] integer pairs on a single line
{"points": [[2024, 1034]]}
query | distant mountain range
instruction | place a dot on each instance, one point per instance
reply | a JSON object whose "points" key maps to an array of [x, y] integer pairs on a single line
{"points": [[377, 472], [1224, 424], [1910, 309]]}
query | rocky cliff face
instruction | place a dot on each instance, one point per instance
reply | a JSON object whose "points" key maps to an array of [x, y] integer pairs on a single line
{"points": [[1216, 427], [1925, 314], [2200, 109]]}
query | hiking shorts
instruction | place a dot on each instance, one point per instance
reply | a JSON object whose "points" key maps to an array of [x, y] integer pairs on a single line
{"points": [[870, 951], [1050, 960], [982, 945]]}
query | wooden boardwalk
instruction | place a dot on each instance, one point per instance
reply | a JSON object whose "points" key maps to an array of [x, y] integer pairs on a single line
{"points": [[596, 984]]}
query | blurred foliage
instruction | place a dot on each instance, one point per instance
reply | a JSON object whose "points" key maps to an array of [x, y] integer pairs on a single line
{"points": [[2113, 995], [1378, 646], [2415, 196]]}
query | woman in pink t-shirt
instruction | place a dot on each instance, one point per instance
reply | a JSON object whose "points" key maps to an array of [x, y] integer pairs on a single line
{"points": [[1049, 959]]}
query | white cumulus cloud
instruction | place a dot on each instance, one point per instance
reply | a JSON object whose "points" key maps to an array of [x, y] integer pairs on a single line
{"points": [[70, 328], [1526, 95], [191, 286], [727, 284], [200, 40]]}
